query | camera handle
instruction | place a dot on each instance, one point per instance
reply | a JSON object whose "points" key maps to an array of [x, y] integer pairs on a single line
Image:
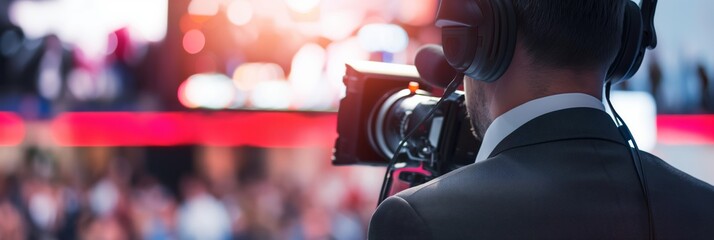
{"points": [[409, 175]]}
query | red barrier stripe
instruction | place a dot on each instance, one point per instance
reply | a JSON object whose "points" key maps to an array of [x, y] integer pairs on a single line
{"points": [[12, 129], [262, 129], [685, 129]]}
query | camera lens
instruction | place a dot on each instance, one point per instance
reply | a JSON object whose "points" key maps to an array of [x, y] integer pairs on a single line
{"points": [[397, 116]]}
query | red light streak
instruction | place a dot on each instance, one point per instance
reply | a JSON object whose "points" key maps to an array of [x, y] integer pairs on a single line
{"points": [[260, 129]]}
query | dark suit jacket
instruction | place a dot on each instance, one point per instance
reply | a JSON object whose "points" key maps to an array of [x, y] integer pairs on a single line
{"points": [[564, 175]]}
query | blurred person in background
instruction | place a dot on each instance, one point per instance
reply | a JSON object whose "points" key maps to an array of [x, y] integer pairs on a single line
{"points": [[332, 200], [109, 197], [49, 206], [655, 77], [260, 199], [201, 216], [706, 99], [104, 228], [153, 210], [11, 223]]}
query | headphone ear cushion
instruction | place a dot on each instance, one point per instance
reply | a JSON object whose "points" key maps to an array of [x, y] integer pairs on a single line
{"points": [[460, 45], [483, 48], [631, 52]]}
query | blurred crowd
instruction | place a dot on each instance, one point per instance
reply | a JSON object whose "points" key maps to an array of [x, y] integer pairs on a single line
{"points": [[275, 194]]}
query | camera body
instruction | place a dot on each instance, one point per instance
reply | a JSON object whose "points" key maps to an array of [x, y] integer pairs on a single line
{"points": [[377, 112]]}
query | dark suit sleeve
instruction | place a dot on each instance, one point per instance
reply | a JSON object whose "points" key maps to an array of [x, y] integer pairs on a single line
{"points": [[396, 219]]}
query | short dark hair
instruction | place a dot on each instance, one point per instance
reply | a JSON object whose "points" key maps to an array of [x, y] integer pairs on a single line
{"points": [[580, 34]]}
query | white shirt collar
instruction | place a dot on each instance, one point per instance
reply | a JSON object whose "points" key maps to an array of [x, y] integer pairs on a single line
{"points": [[508, 122]]}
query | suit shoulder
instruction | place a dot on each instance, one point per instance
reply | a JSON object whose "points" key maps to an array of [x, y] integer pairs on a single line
{"points": [[395, 218], [681, 203], [666, 171], [408, 193], [475, 175]]}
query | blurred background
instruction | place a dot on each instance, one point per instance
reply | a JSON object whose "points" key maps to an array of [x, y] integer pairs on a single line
{"points": [[215, 119]]}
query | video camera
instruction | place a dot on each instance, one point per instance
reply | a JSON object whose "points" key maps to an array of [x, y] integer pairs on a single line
{"points": [[384, 102]]}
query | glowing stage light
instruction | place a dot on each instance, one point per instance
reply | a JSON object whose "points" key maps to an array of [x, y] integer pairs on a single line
{"points": [[194, 41], [239, 12], [383, 37], [203, 8], [213, 91], [182, 97], [338, 53], [275, 94], [248, 75], [113, 43], [339, 24], [87, 24], [307, 78], [419, 12], [307, 64], [147, 19], [302, 6]]}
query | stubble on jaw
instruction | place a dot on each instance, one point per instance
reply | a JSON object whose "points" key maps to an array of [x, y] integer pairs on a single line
{"points": [[476, 108]]}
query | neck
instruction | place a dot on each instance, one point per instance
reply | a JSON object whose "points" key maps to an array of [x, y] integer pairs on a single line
{"points": [[521, 84]]}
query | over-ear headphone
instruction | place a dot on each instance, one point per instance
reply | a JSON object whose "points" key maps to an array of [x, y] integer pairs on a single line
{"points": [[479, 37]]}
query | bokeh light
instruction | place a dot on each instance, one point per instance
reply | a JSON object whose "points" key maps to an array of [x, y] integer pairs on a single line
{"points": [[307, 65], [203, 8], [248, 75], [273, 94], [87, 26], [383, 37], [302, 6], [183, 98], [212, 91], [194, 41], [239, 12], [339, 53], [113, 43], [340, 24], [307, 77], [417, 13]]}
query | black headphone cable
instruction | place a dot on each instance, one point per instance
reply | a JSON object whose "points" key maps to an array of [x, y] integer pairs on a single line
{"points": [[636, 158]]}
